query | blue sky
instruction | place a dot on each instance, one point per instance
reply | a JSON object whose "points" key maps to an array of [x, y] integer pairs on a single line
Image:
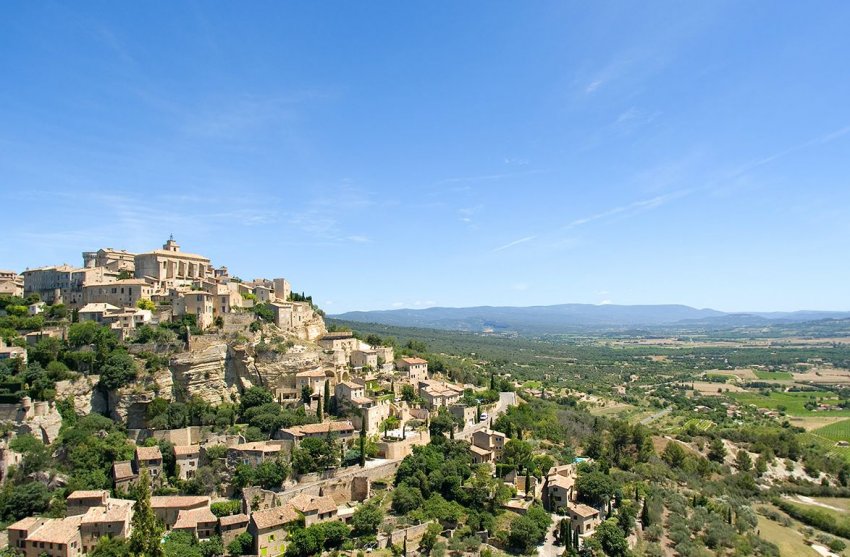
{"points": [[408, 154]]}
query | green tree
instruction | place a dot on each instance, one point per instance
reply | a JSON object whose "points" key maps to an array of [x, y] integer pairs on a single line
{"points": [[147, 531], [743, 461], [118, 370], [111, 547], [367, 519], [716, 450], [674, 454], [611, 539], [144, 303], [406, 499], [241, 544]]}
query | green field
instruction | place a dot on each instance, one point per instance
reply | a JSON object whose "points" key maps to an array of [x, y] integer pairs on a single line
{"points": [[792, 403], [701, 425], [774, 375], [839, 431]]}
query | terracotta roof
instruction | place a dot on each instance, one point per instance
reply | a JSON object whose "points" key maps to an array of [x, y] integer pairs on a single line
{"points": [[560, 481], [190, 518], [308, 429], [122, 470], [178, 501], [24, 523], [176, 254], [307, 503], [115, 510], [583, 510], [311, 373], [82, 494], [98, 307], [412, 361], [352, 385], [263, 446], [361, 401], [57, 530], [276, 516], [186, 450], [232, 519], [479, 450], [148, 453]]}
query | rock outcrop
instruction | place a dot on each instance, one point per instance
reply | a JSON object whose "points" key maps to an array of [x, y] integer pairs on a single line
{"points": [[84, 394]]}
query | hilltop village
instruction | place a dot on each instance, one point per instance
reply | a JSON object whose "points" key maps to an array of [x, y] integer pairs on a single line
{"points": [[153, 396]]}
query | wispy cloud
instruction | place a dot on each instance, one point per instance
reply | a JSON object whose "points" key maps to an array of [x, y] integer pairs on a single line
{"points": [[634, 207], [485, 177], [514, 243]]}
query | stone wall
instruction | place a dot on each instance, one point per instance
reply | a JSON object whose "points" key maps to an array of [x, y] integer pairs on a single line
{"points": [[400, 449], [236, 322]]}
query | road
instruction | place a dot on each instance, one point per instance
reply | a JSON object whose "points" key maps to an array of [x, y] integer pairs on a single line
{"points": [[661, 414], [549, 549], [506, 400]]}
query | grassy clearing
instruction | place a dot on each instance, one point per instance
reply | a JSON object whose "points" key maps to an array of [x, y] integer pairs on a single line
{"points": [[788, 539], [792, 403], [774, 375]]}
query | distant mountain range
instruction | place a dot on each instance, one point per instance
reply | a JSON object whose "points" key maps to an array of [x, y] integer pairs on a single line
{"points": [[574, 317]]}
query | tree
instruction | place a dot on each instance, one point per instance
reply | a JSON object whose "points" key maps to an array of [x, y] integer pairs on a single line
{"points": [[319, 413], [241, 545], [144, 303], [594, 487], [111, 547], [327, 396], [367, 519], [118, 370], [362, 442], [611, 539], [524, 534], [429, 538], [406, 499], [147, 531], [517, 453], [674, 454], [743, 461], [716, 450], [255, 396]]}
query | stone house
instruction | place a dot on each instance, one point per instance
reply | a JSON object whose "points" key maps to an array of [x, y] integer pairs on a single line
{"points": [[80, 501], [363, 358], [480, 456], [282, 289], [346, 391], [467, 414], [114, 260], [121, 293], [341, 340], [170, 266], [111, 519], [373, 412], [167, 508], [437, 394], [231, 526], [123, 475], [313, 379], [201, 523], [583, 519], [52, 537], [490, 440], [186, 458], [415, 369], [294, 435], [253, 453], [197, 303], [269, 529], [386, 355], [9, 352], [150, 459], [314, 509]]}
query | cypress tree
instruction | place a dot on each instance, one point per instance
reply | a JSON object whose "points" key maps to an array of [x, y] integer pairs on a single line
{"points": [[528, 483], [147, 532], [645, 519], [492, 381], [319, 413], [363, 442], [327, 395]]}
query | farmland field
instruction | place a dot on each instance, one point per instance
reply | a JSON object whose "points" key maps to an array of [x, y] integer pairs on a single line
{"points": [[774, 375], [792, 403], [839, 431]]}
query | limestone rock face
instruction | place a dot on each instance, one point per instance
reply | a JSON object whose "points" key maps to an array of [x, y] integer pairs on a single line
{"points": [[44, 424], [205, 374], [85, 395], [129, 404], [277, 370]]}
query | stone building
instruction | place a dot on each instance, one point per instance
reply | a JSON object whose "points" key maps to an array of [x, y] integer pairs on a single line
{"points": [[269, 529], [186, 458], [62, 284], [415, 369], [121, 293], [11, 284], [363, 358], [170, 266], [51, 537], [197, 303], [200, 523], [313, 379], [282, 289], [167, 508], [115, 260]]}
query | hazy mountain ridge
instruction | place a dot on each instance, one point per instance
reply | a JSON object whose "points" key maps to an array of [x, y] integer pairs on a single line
{"points": [[567, 317]]}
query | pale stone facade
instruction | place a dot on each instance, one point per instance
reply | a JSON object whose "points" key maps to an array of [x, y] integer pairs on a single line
{"points": [[415, 369], [122, 293], [171, 266], [116, 260]]}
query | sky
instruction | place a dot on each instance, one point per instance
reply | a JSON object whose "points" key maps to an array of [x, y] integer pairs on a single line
{"points": [[382, 155]]}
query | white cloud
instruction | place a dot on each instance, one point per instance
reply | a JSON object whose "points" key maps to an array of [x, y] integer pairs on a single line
{"points": [[514, 243], [520, 286], [605, 303]]}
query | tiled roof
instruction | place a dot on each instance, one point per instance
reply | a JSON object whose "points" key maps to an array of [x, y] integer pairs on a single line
{"points": [[479, 450], [311, 373], [57, 530], [583, 510], [24, 523], [186, 450], [412, 361], [179, 501], [190, 518], [307, 503], [276, 516], [148, 453], [115, 510], [122, 470], [82, 494], [312, 429], [232, 519], [263, 446]]}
